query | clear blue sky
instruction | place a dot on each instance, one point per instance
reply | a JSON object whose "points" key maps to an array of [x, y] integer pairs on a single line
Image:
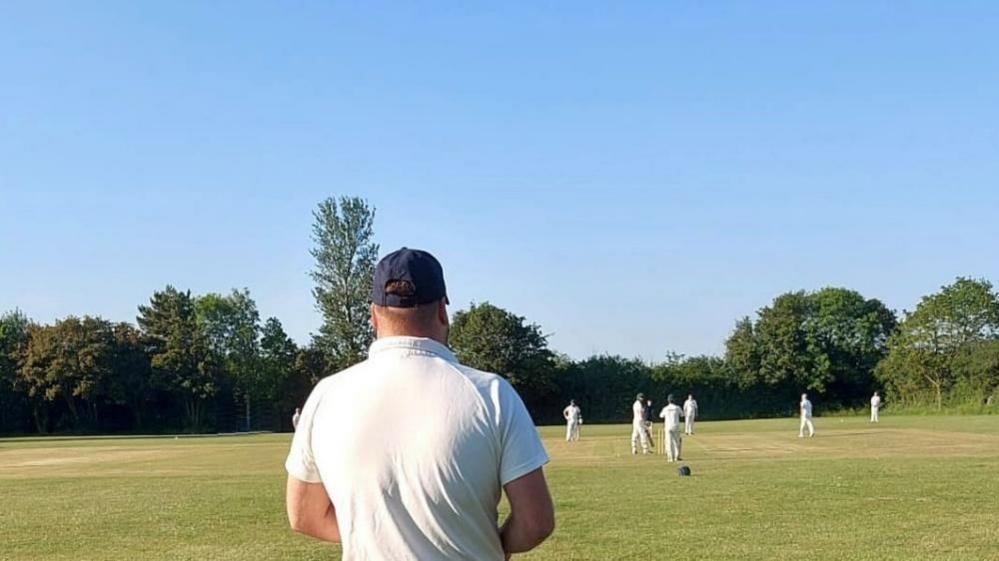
{"points": [[632, 177]]}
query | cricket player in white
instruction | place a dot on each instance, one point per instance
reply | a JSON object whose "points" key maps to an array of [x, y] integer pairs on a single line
{"points": [[295, 418], [689, 414], [875, 407], [639, 432], [573, 418], [671, 414], [422, 483], [805, 408]]}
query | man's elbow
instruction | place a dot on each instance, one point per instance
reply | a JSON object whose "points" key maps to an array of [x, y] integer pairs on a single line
{"points": [[546, 529], [542, 528], [304, 524], [298, 522]]}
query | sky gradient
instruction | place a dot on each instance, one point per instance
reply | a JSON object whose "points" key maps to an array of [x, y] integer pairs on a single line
{"points": [[633, 178]]}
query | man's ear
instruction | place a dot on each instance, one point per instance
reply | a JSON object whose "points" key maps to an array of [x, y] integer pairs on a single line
{"points": [[374, 318], [442, 312]]}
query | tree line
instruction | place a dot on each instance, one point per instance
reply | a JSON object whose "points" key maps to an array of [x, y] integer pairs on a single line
{"points": [[209, 363], [197, 363], [833, 343]]}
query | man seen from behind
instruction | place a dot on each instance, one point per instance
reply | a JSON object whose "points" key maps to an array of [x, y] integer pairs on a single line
{"points": [[424, 483]]}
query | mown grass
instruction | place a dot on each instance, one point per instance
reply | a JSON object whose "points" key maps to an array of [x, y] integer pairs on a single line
{"points": [[909, 488]]}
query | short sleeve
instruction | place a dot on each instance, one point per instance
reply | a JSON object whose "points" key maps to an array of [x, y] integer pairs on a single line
{"points": [[301, 464], [521, 450]]}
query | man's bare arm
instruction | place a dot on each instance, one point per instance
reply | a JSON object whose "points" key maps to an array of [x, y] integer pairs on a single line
{"points": [[310, 511], [532, 514]]}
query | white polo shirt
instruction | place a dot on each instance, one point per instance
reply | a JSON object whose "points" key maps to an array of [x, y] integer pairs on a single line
{"points": [[690, 408], [413, 449], [671, 413], [806, 409], [637, 413], [572, 413]]}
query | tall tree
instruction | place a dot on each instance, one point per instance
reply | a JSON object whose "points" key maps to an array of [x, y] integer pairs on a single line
{"points": [[492, 339], [345, 260], [180, 357], [922, 354]]}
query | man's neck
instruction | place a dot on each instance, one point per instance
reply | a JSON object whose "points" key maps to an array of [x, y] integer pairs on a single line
{"points": [[410, 333]]}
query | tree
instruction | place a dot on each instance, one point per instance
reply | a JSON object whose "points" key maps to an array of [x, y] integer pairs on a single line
{"points": [[311, 365], [70, 362], [922, 355], [742, 354], [231, 326], [605, 386], [976, 370], [13, 339], [180, 357], [345, 260], [492, 339], [131, 383], [782, 342], [277, 357], [847, 336], [828, 341], [277, 367]]}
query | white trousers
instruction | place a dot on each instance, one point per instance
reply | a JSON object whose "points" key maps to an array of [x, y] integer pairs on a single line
{"points": [[688, 424], [673, 445], [806, 422], [639, 434], [874, 415], [571, 431]]}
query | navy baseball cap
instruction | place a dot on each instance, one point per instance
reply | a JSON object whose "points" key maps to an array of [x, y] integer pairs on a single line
{"points": [[415, 266]]}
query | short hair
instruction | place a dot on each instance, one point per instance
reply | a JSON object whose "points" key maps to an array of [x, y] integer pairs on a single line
{"points": [[422, 315], [402, 288]]}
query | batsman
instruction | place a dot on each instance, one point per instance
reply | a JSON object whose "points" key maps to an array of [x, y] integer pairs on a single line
{"points": [[671, 415], [639, 430]]}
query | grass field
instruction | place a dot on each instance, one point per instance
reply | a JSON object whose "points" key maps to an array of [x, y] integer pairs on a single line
{"points": [[910, 488]]}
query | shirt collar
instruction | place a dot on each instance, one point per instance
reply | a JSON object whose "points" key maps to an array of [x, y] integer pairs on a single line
{"points": [[419, 344]]}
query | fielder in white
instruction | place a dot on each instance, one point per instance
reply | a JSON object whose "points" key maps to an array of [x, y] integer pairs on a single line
{"points": [[671, 414], [875, 407], [573, 418], [638, 428], [806, 417], [295, 418], [689, 414]]}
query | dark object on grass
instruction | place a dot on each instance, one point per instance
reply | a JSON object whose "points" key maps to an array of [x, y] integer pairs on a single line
{"points": [[684, 471]]}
